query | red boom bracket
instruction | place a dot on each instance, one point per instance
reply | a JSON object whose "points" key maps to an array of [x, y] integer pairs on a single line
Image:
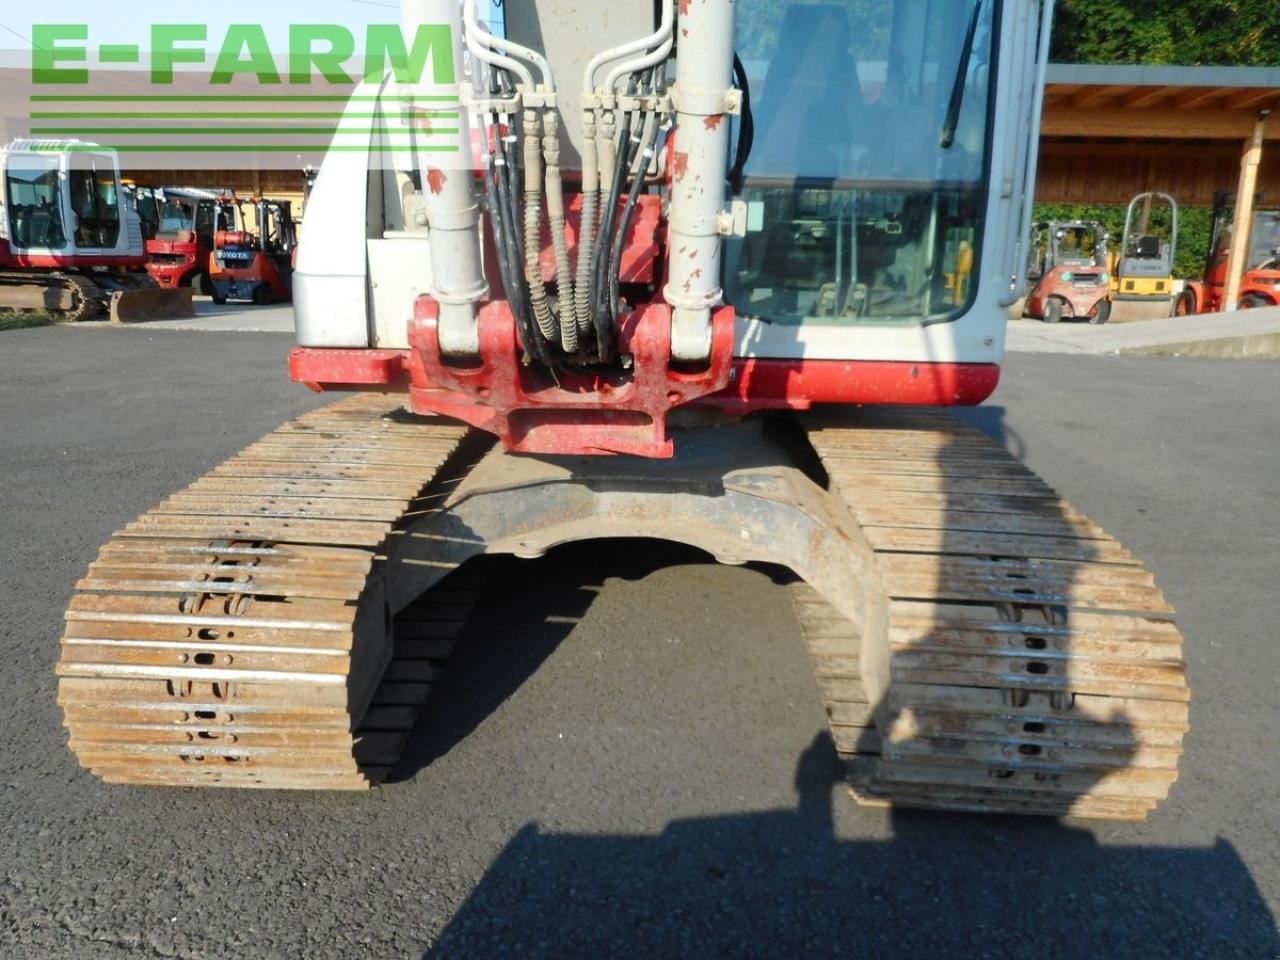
{"points": [[579, 414]]}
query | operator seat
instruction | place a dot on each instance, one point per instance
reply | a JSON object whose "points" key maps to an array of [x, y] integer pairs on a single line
{"points": [[805, 114], [1147, 248]]}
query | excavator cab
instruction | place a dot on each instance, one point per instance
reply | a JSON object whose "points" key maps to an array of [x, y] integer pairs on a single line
{"points": [[71, 238], [833, 204], [864, 182], [68, 203]]}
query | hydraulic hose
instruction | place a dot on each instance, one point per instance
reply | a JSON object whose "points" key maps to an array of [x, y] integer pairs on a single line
{"points": [[556, 215], [746, 126], [643, 158], [601, 317], [587, 228], [477, 38], [538, 299], [643, 44], [666, 37]]}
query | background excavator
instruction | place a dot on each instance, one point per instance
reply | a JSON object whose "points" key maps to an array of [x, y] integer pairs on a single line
{"points": [[694, 271], [71, 243]]}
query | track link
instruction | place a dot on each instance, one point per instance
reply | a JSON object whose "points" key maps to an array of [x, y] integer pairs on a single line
{"points": [[236, 634], [1025, 662], [1009, 657], [87, 299]]}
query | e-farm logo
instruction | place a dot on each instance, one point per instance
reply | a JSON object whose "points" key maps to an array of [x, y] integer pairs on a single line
{"points": [[154, 100]]}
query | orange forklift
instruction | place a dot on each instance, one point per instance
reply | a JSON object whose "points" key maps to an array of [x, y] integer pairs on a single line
{"points": [[254, 264], [1069, 275], [1260, 286]]}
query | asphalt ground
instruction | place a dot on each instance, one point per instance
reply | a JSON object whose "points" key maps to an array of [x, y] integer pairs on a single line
{"points": [[628, 757]]}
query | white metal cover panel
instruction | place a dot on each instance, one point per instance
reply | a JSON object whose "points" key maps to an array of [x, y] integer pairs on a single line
{"points": [[399, 273], [570, 33]]}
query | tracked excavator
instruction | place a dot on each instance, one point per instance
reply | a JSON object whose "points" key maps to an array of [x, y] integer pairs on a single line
{"points": [[703, 271], [71, 245]]}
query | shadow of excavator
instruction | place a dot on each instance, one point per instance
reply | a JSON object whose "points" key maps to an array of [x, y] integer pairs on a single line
{"points": [[785, 883]]}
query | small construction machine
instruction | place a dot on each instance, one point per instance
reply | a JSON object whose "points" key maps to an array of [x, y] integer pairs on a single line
{"points": [[1069, 272], [1143, 285], [71, 245], [698, 271], [254, 262], [179, 224], [1260, 286]]}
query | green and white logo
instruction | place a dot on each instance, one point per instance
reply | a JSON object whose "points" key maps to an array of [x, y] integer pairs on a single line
{"points": [[192, 95]]}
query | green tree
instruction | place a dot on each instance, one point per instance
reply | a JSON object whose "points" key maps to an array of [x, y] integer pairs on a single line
{"points": [[1220, 32]]}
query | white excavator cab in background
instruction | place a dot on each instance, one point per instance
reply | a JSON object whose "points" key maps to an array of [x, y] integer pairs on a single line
{"points": [[71, 244], [612, 264]]}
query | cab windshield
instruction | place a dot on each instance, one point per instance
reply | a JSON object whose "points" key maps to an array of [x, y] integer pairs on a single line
{"points": [[1079, 244], [33, 203], [176, 216], [864, 194], [95, 201], [1264, 244]]}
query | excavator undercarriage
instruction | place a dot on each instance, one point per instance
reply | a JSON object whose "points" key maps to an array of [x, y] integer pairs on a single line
{"points": [[978, 643]]}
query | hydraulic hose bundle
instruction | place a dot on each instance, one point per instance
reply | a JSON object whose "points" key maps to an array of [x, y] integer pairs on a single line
{"points": [[524, 190]]}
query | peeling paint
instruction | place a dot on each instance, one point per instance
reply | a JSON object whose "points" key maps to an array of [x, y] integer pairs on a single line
{"points": [[713, 123], [681, 165], [436, 179]]}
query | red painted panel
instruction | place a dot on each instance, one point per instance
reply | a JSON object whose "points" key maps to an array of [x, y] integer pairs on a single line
{"points": [[757, 384], [771, 384], [328, 369]]}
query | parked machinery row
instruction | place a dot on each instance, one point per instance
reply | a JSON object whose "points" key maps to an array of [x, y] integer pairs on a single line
{"points": [[1074, 274], [218, 244]]}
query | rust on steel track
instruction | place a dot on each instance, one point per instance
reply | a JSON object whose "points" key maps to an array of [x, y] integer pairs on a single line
{"points": [[1026, 663], [1008, 655], [236, 634]]}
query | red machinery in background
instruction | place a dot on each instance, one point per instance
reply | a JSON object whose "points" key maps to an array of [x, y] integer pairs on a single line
{"points": [[254, 264], [1069, 273], [1260, 286], [180, 223]]}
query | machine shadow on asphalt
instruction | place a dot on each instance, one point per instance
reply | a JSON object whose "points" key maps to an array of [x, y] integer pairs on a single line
{"points": [[782, 884]]}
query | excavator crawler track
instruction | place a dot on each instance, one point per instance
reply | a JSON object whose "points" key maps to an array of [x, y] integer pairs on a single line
{"points": [[1026, 663], [1005, 654], [68, 296], [236, 635]]}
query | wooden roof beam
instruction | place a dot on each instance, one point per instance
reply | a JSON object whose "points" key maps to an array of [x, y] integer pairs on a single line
{"points": [[1210, 124], [1196, 98], [1147, 97], [1255, 99], [1096, 96]]}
